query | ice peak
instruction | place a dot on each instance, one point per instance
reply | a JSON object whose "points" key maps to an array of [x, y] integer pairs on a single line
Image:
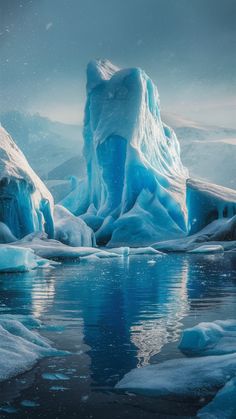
{"points": [[99, 71]]}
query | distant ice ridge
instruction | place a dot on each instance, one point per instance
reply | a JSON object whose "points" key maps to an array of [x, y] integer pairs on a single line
{"points": [[135, 191], [212, 347], [20, 347], [25, 203]]}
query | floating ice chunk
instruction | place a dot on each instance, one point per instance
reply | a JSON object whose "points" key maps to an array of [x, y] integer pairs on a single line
{"points": [[20, 348], [58, 388], [182, 377], [145, 251], [19, 259], [129, 251], [16, 259], [223, 406], [55, 376], [213, 338], [72, 230], [208, 249], [29, 403]]}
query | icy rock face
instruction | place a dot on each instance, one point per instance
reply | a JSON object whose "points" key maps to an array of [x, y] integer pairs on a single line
{"points": [[25, 202], [136, 183]]}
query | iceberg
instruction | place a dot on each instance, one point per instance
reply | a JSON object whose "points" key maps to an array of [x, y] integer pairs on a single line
{"points": [[25, 203], [136, 183], [20, 347]]}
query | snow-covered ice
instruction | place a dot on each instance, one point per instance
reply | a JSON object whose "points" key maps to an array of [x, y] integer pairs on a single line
{"points": [[20, 347], [183, 377], [209, 338]]}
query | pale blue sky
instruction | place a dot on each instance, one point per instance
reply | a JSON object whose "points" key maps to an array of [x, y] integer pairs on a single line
{"points": [[187, 46]]}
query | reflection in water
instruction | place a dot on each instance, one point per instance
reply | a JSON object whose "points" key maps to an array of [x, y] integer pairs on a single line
{"points": [[150, 334], [43, 294], [121, 312]]}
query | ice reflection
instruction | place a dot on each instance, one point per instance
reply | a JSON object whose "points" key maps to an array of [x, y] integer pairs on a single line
{"points": [[162, 322]]}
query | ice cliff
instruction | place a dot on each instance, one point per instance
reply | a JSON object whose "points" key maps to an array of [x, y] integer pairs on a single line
{"points": [[25, 202], [135, 191]]}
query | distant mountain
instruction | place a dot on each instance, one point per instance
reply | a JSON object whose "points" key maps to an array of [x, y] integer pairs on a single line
{"points": [[45, 143], [209, 152]]}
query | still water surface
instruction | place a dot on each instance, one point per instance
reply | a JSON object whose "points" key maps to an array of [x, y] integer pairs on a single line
{"points": [[112, 315]]}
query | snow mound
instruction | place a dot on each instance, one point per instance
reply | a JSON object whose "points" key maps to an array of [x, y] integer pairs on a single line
{"points": [[72, 230], [25, 201], [223, 406], [20, 348], [213, 338], [136, 183]]}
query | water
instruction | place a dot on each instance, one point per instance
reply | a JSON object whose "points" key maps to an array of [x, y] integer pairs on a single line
{"points": [[112, 315]]}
